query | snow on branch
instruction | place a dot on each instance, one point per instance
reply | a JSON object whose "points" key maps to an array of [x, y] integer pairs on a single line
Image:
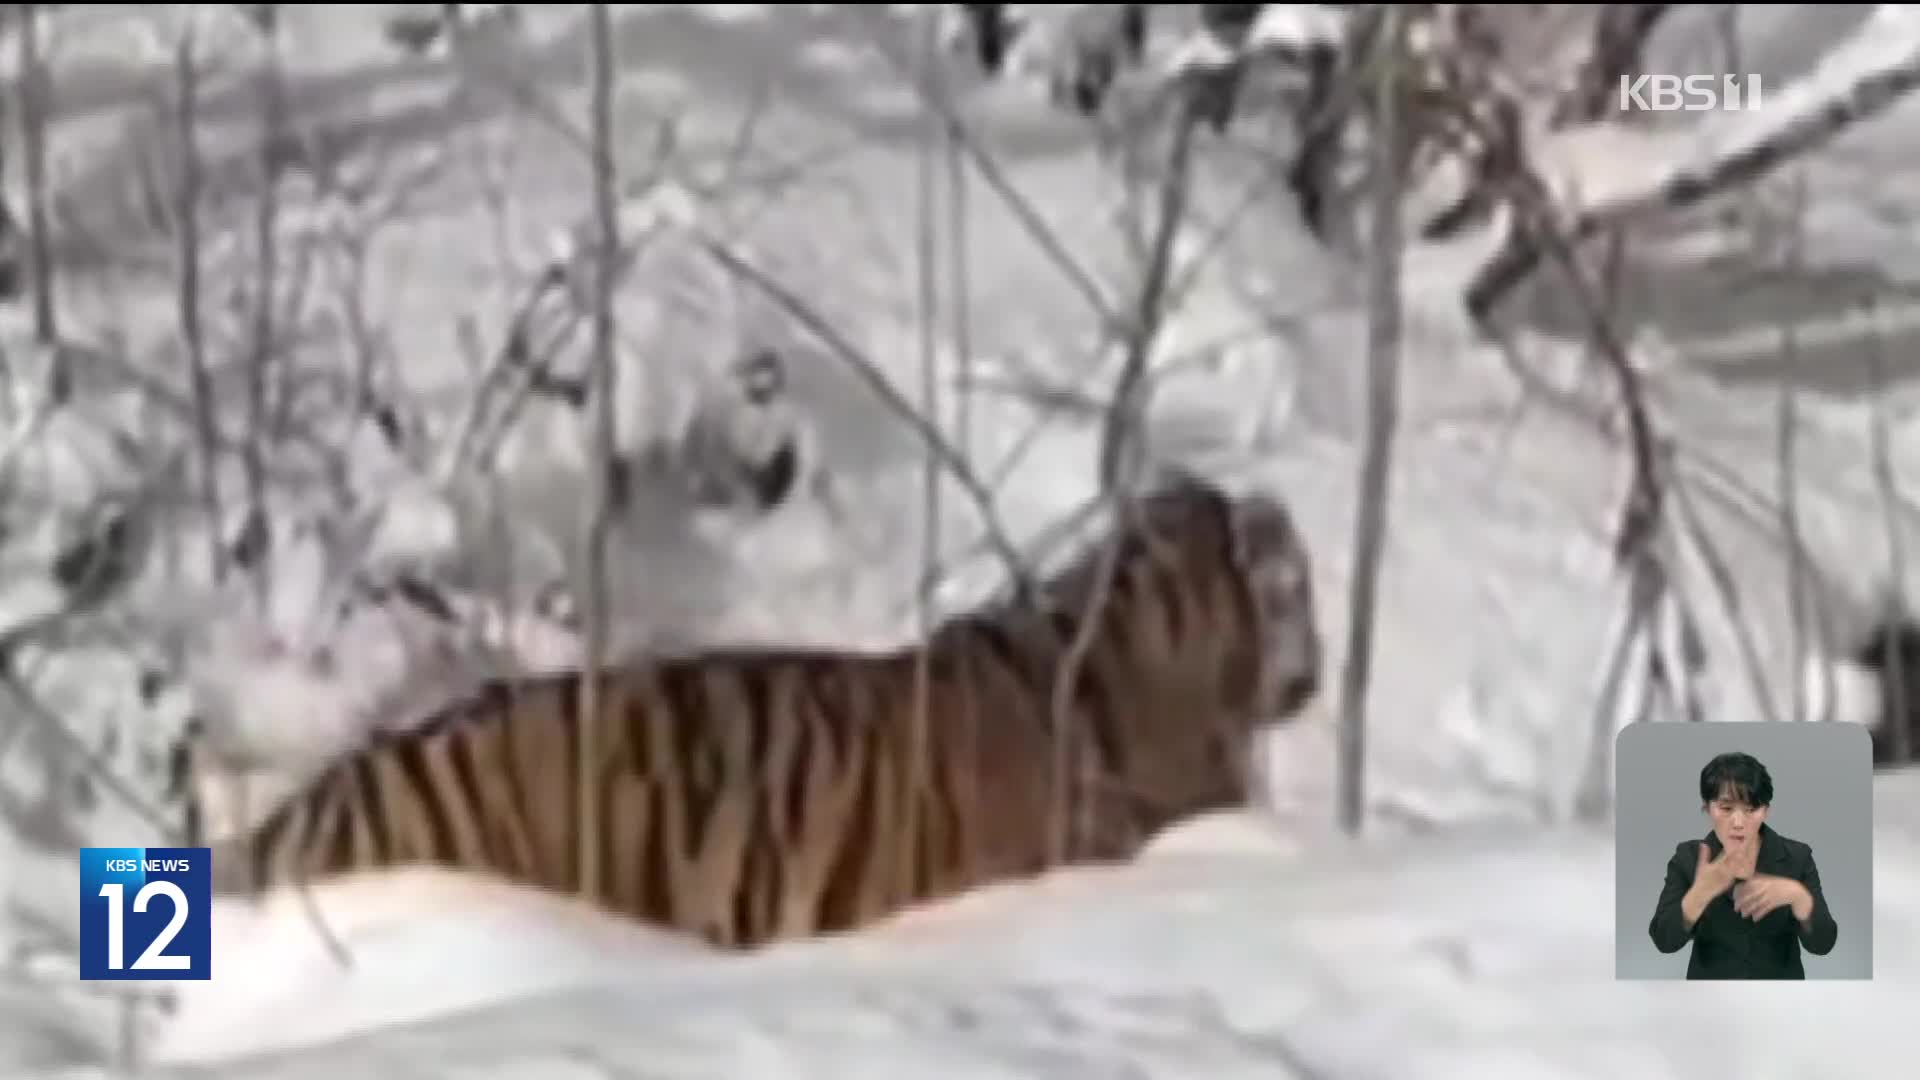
{"points": [[1861, 79], [667, 208], [1619, 38]]}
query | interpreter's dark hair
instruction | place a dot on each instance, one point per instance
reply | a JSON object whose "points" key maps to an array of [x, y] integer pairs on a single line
{"points": [[1737, 776]]}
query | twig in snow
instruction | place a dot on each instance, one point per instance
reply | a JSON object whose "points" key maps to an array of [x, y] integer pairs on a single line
{"points": [[1640, 516], [518, 353], [1638, 534], [336, 948], [1650, 593], [1724, 581]]}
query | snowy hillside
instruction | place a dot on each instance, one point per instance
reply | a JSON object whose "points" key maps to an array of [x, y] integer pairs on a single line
{"points": [[1470, 935]]}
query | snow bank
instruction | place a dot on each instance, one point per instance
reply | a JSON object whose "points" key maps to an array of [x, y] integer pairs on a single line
{"points": [[1483, 953]]}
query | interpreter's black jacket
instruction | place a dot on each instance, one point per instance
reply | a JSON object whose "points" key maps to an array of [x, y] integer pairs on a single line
{"points": [[1725, 944]]}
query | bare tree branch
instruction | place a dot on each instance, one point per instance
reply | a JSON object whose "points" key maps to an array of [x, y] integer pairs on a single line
{"points": [[1119, 458], [990, 171]]}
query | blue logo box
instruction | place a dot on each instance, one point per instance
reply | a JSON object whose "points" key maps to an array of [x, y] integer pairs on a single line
{"points": [[145, 913]]}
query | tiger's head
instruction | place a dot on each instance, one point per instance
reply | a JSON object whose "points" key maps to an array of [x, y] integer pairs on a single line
{"points": [[1269, 557], [1241, 564], [1207, 636]]}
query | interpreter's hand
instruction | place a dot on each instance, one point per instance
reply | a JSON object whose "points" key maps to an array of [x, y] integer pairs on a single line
{"points": [[1736, 862], [1763, 894]]}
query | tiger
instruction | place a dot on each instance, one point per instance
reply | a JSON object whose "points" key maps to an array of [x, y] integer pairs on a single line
{"points": [[753, 795]]}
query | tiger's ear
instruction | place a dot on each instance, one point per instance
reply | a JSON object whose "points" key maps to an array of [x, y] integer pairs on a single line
{"points": [[1166, 477]]}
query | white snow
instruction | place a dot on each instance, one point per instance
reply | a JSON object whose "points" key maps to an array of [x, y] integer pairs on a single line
{"points": [[1469, 935], [1488, 953]]}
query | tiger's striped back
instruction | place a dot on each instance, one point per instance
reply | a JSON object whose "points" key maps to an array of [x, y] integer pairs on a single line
{"points": [[748, 796]]}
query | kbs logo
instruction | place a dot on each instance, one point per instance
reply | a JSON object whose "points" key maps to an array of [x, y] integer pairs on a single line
{"points": [[144, 913], [1689, 93]]}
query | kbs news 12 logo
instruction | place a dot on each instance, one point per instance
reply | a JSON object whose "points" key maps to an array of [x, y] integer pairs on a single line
{"points": [[144, 913]]}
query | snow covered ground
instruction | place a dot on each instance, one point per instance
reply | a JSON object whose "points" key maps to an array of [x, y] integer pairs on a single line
{"points": [[1471, 935], [1228, 952]]}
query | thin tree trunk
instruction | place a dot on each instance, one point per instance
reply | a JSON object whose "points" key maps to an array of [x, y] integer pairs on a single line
{"points": [[593, 566], [1895, 712], [1787, 461], [927, 301], [266, 274], [1383, 408], [192, 333], [33, 120], [11, 234]]}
